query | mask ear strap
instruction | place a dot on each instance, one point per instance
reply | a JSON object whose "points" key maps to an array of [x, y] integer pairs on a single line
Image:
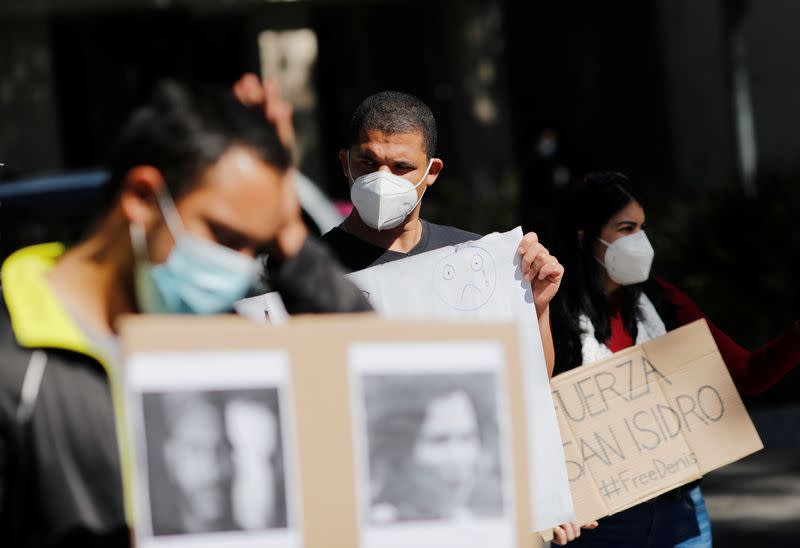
{"points": [[170, 213], [418, 201], [349, 173], [427, 171], [420, 182]]}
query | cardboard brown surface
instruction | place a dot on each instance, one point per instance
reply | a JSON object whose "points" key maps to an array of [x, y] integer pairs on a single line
{"points": [[648, 419], [317, 347]]}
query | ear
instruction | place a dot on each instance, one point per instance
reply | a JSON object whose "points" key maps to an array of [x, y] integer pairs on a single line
{"points": [[138, 197], [343, 158], [437, 165]]}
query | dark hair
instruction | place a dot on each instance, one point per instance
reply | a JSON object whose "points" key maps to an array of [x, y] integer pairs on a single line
{"points": [[182, 132], [394, 112], [588, 205], [397, 407]]}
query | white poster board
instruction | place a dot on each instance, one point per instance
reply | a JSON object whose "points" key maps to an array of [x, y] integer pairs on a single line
{"points": [[482, 280]]}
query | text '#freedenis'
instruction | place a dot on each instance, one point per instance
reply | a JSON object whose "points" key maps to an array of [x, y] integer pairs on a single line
{"points": [[647, 429]]}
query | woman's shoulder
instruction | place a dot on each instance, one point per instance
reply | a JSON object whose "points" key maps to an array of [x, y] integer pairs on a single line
{"points": [[686, 309]]}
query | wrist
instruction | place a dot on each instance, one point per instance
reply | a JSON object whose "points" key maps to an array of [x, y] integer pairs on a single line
{"points": [[543, 311]]}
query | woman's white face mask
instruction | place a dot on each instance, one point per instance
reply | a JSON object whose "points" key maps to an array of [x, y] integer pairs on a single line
{"points": [[384, 200], [628, 259]]}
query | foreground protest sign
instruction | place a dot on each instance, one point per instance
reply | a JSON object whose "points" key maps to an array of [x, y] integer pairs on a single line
{"points": [[482, 280], [343, 430], [648, 419]]}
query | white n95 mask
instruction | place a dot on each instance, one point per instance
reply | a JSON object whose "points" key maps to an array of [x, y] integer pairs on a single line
{"points": [[628, 259], [383, 200]]}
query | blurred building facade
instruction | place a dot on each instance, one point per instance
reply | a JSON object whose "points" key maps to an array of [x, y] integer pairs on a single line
{"points": [[684, 94], [693, 98]]}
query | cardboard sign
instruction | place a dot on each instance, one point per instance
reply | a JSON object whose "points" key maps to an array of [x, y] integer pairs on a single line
{"points": [[648, 419], [315, 414]]}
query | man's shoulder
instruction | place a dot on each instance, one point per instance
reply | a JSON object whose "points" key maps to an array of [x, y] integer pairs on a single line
{"points": [[337, 238], [13, 361], [15, 358], [352, 252], [445, 235], [333, 234]]}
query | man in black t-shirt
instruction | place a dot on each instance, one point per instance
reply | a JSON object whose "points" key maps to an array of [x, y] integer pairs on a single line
{"points": [[357, 254], [389, 162]]}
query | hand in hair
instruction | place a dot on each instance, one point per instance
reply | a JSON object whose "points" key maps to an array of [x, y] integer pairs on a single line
{"points": [[293, 231], [267, 95], [252, 92]]}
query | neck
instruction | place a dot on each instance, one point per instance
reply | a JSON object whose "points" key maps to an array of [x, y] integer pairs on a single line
{"points": [[401, 239], [609, 286], [94, 279]]}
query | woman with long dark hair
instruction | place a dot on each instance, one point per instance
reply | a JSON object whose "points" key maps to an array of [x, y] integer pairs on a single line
{"points": [[609, 301]]}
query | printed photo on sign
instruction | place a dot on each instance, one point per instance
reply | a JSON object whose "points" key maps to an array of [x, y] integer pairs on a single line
{"points": [[215, 461], [434, 452], [433, 447], [213, 451]]}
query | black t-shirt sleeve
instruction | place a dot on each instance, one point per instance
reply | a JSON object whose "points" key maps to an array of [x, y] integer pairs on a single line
{"points": [[439, 236], [352, 253]]}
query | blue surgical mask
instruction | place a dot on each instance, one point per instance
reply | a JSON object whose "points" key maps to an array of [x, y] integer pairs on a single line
{"points": [[198, 277]]}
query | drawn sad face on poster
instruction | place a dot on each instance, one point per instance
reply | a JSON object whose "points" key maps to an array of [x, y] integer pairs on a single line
{"points": [[465, 279]]}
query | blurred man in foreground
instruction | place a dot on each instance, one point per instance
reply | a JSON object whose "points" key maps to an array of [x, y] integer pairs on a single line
{"points": [[200, 184]]}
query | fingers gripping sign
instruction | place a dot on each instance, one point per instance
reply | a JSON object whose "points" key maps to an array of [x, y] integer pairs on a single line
{"points": [[568, 532], [541, 269]]}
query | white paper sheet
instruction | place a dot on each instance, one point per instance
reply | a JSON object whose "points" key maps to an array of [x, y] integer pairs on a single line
{"points": [[483, 280], [266, 308]]}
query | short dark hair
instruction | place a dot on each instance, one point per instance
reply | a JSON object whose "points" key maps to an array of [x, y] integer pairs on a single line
{"points": [[394, 112], [182, 132]]}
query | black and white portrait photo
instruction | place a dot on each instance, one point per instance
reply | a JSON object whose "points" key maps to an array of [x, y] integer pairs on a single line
{"points": [[433, 446], [215, 461]]}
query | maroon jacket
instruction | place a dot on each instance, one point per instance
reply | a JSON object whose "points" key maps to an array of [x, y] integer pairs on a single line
{"points": [[752, 372]]}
